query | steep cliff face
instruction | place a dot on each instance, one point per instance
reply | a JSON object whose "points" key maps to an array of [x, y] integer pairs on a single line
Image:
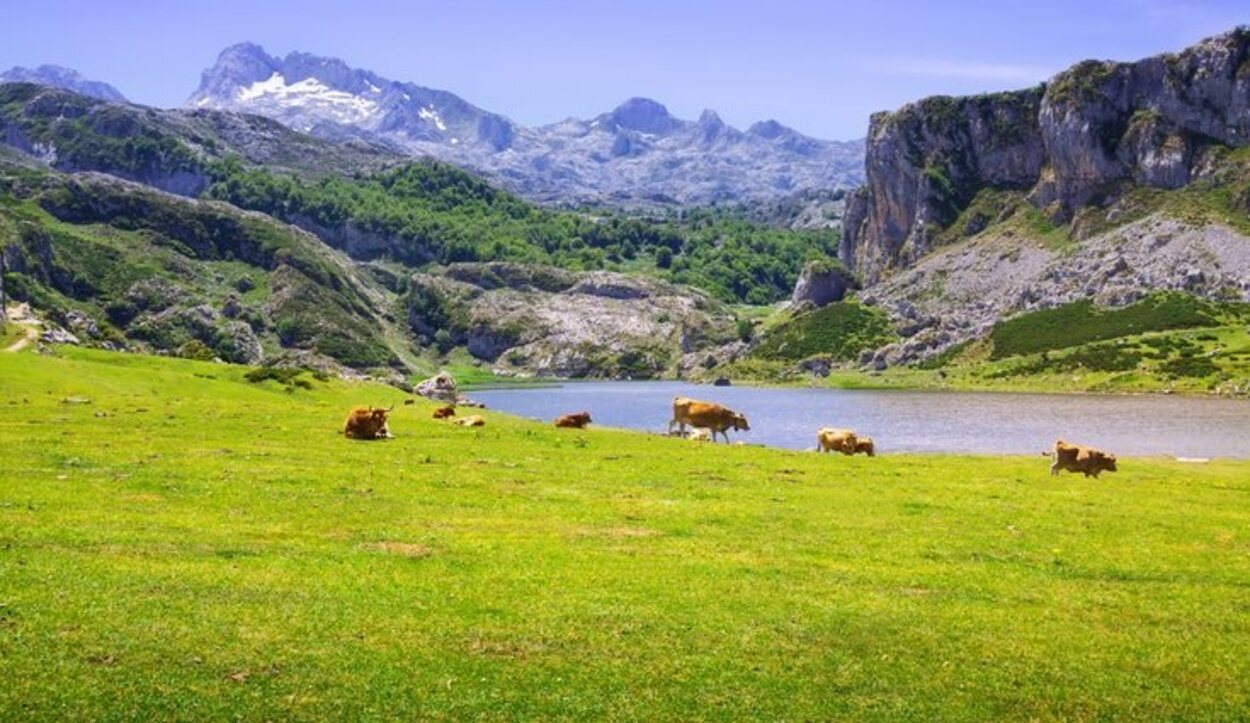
{"points": [[1079, 140]]}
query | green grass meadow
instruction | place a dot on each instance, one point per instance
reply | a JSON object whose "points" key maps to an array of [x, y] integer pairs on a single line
{"points": [[192, 546]]}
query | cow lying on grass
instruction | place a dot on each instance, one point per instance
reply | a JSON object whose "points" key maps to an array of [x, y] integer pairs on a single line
{"points": [[473, 420], [367, 423], [576, 420], [844, 441], [444, 412], [709, 415], [1077, 458]]}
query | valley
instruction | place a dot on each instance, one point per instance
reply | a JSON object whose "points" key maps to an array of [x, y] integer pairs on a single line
{"points": [[332, 394], [420, 259]]}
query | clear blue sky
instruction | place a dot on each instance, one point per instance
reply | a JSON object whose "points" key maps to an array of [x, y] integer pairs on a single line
{"points": [[821, 67]]}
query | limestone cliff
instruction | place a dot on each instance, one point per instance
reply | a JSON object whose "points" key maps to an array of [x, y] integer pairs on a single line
{"points": [[1076, 141]]}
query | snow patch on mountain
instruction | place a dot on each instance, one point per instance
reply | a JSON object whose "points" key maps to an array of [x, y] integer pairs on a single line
{"points": [[310, 93], [635, 154]]}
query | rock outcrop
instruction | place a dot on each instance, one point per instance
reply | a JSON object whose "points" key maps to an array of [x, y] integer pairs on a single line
{"points": [[1080, 139], [957, 293], [535, 320], [821, 283]]}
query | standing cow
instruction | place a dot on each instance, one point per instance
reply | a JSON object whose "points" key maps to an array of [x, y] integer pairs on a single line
{"points": [[1078, 458], [836, 440], [710, 415]]}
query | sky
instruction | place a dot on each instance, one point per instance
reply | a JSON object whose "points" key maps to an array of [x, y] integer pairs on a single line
{"points": [[820, 67]]}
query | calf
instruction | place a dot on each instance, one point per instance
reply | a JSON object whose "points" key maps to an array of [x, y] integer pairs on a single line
{"points": [[700, 434], [444, 412]]}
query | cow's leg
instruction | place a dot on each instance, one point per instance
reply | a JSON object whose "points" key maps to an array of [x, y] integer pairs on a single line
{"points": [[1054, 465]]}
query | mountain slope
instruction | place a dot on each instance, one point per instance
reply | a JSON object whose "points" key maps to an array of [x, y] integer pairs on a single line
{"points": [[636, 153], [121, 264], [167, 149], [373, 204], [60, 77], [1107, 185]]}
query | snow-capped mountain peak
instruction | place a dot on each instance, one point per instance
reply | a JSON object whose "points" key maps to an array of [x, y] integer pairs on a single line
{"points": [[638, 150]]}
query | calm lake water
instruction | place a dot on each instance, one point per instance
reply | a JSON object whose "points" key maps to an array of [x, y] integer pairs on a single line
{"points": [[915, 421]]}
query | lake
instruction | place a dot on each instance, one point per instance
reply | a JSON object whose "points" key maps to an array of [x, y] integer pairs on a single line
{"points": [[902, 421]]}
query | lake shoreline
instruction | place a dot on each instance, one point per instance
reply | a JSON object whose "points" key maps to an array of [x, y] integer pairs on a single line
{"points": [[913, 420], [848, 383]]}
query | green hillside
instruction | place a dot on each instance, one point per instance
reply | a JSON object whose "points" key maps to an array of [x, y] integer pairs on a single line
{"points": [[428, 212], [181, 275]]}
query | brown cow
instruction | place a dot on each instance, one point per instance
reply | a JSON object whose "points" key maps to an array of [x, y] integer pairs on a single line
{"points": [[1078, 458], [864, 445], [444, 412], [706, 414], [836, 440], [367, 423], [576, 420], [473, 420]]}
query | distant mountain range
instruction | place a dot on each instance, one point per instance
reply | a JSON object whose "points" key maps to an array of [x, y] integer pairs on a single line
{"points": [[638, 152], [60, 77]]}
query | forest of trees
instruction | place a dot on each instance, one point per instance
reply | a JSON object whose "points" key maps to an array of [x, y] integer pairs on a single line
{"points": [[434, 213]]}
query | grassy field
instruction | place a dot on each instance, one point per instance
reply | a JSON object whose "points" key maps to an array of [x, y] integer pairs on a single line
{"points": [[10, 333], [179, 543]]}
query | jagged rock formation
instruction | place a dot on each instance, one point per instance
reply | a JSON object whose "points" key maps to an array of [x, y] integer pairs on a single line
{"points": [[1079, 140], [821, 283], [60, 77], [550, 322], [636, 154]]}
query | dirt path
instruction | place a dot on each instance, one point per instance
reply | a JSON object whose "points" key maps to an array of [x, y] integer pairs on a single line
{"points": [[21, 316]]}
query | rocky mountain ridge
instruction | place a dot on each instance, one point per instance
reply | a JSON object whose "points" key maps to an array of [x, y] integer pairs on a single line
{"points": [[1074, 143], [636, 154], [61, 77]]}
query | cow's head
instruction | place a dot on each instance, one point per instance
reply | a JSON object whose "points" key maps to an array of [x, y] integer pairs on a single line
{"points": [[378, 416], [740, 422], [1107, 461], [865, 445], [584, 417]]}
